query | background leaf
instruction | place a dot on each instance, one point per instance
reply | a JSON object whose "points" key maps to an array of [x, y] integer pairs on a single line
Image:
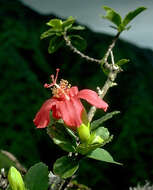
{"points": [[102, 155], [122, 62], [37, 177], [55, 43], [65, 166], [78, 27], [78, 42], [61, 137], [48, 33], [7, 160]]}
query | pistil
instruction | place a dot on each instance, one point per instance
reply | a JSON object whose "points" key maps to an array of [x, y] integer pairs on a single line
{"points": [[58, 89]]}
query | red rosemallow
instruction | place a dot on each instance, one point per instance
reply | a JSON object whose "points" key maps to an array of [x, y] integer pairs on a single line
{"points": [[65, 104]]}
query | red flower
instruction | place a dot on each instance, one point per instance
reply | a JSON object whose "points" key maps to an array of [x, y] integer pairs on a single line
{"points": [[66, 104]]}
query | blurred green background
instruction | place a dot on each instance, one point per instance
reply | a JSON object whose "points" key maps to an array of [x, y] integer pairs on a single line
{"points": [[25, 66]]}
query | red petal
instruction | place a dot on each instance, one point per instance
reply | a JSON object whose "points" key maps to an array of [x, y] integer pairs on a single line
{"points": [[93, 98], [71, 111], [42, 117], [73, 91]]}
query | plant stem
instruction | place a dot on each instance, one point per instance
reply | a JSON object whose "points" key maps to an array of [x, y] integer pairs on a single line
{"points": [[75, 50], [111, 46], [66, 183], [113, 71], [15, 160]]}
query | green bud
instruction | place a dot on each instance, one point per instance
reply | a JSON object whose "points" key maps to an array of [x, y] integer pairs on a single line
{"points": [[15, 179], [84, 132], [84, 117]]}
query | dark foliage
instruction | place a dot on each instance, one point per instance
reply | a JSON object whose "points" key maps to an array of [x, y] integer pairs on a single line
{"points": [[25, 66]]}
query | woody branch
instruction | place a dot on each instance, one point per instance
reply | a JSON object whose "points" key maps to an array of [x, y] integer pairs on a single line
{"points": [[111, 67]]}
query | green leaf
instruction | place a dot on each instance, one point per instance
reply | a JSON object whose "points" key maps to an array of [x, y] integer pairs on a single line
{"points": [[122, 62], [68, 23], [48, 33], [65, 166], [55, 23], [102, 155], [98, 122], [112, 16], [67, 146], [103, 133], [7, 160], [131, 15], [8, 188], [77, 27], [114, 27], [105, 70], [128, 28], [37, 177], [85, 148], [61, 137], [55, 43], [78, 42]]}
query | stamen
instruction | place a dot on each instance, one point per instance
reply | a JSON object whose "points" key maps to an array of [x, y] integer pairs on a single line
{"points": [[58, 89]]}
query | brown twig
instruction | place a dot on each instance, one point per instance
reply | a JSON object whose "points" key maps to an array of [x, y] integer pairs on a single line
{"points": [[113, 71], [75, 50], [111, 46], [14, 159]]}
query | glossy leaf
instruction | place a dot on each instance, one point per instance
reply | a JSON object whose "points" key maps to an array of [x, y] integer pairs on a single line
{"points": [[102, 155], [37, 177], [101, 136], [122, 62], [65, 166], [68, 23], [112, 16], [103, 133], [48, 33], [78, 27], [55, 43], [98, 122], [55, 23], [78, 42], [85, 148], [62, 138], [131, 15]]}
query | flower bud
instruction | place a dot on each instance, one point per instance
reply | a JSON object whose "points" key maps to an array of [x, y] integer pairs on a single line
{"points": [[84, 132], [15, 179]]}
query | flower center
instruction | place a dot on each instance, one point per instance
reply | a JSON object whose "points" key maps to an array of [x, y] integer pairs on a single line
{"points": [[58, 90]]}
